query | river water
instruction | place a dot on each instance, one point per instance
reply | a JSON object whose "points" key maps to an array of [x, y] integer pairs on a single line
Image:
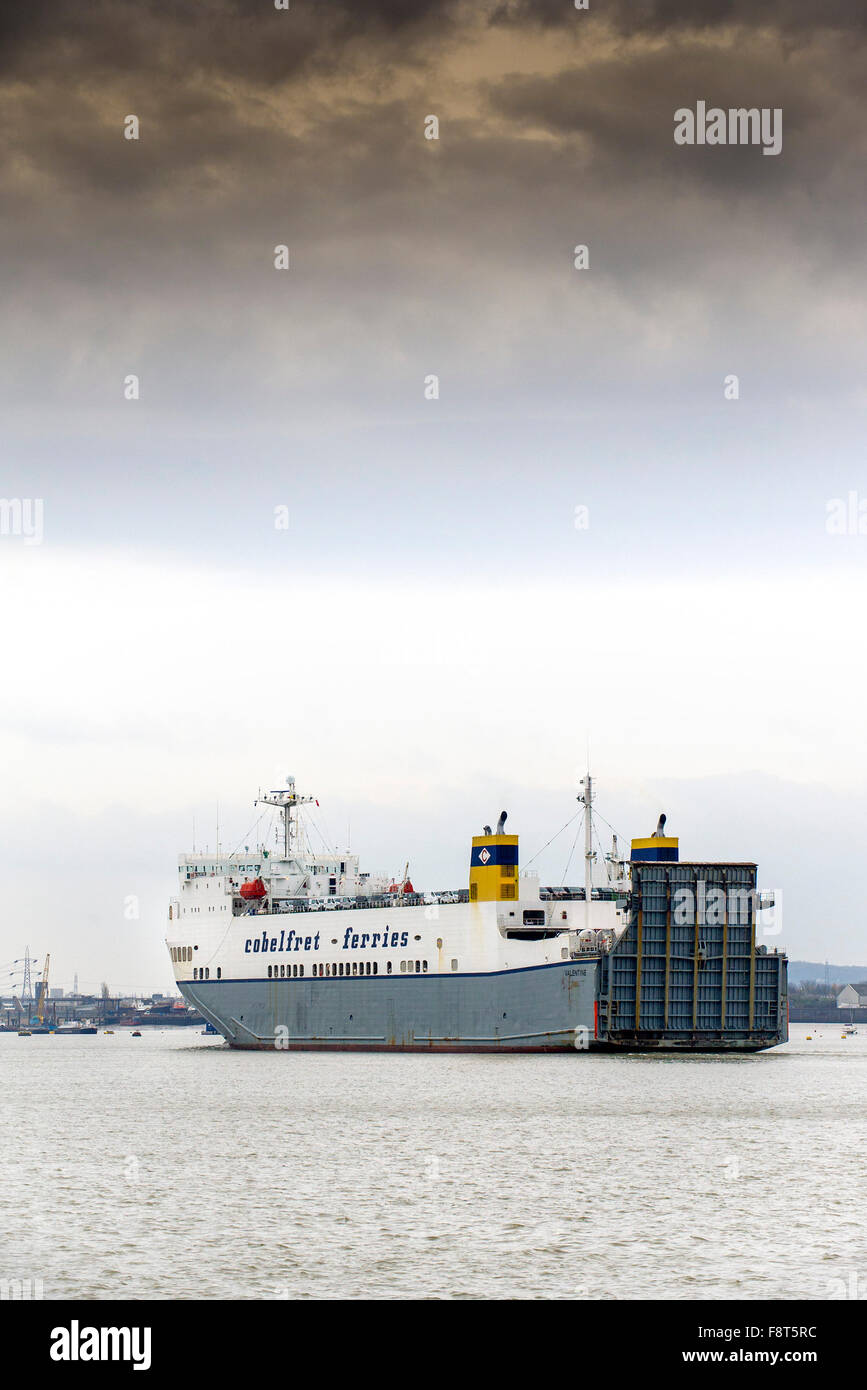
{"points": [[169, 1166]]}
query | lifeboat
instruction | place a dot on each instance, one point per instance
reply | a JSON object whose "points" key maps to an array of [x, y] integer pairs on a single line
{"points": [[253, 889]]}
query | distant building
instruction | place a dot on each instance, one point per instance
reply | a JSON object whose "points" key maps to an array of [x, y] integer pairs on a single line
{"points": [[54, 993], [853, 997]]}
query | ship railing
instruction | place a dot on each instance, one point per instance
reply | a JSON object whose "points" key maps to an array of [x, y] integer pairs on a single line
{"points": [[341, 903], [600, 895]]}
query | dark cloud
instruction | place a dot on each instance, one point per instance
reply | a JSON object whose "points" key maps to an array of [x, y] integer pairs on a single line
{"points": [[653, 17], [260, 127], [618, 113], [242, 37]]}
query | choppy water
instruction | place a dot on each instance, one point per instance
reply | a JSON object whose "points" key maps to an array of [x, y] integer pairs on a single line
{"points": [[168, 1166]]}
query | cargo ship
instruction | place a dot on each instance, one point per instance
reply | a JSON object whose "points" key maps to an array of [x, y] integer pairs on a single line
{"points": [[291, 949]]}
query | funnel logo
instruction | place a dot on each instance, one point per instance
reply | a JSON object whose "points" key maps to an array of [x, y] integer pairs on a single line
{"points": [[484, 856]]}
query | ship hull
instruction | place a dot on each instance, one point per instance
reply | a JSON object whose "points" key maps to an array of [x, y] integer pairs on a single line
{"points": [[552, 1008], [542, 1009]]}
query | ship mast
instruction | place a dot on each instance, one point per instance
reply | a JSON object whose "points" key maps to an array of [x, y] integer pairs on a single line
{"points": [[285, 801], [587, 801]]}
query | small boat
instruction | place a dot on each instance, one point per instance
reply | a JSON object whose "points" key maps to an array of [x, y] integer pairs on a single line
{"points": [[24, 1033], [136, 1033], [108, 1030]]}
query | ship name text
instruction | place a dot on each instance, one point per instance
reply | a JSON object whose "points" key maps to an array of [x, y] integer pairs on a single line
{"points": [[352, 941]]}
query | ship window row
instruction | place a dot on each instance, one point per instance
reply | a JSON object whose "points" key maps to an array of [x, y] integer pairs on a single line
{"points": [[203, 972], [181, 953], [356, 968]]}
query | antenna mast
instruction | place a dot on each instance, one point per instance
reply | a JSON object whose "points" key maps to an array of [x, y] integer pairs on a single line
{"points": [[586, 800], [285, 801]]}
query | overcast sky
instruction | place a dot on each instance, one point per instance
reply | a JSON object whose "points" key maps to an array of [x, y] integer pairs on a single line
{"points": [[431, 636]]}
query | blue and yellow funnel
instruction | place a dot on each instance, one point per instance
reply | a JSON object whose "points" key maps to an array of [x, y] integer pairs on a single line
{"points": [[494, 866], [657, 848]]}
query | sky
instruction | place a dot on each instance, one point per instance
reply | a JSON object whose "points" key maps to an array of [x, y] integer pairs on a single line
{"points": [[287, 554]]}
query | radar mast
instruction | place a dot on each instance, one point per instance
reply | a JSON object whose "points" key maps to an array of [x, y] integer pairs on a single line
{"points": [[285, 801]]}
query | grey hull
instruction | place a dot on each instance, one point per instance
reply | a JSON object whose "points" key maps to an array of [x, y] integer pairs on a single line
{"points": [[544, 1009]]}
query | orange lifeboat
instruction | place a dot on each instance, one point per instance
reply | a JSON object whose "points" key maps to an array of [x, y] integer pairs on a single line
{"points": [[253, 889]]}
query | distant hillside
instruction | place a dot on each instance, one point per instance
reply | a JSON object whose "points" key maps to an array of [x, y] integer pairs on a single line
{"points": [[801, 970]]}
